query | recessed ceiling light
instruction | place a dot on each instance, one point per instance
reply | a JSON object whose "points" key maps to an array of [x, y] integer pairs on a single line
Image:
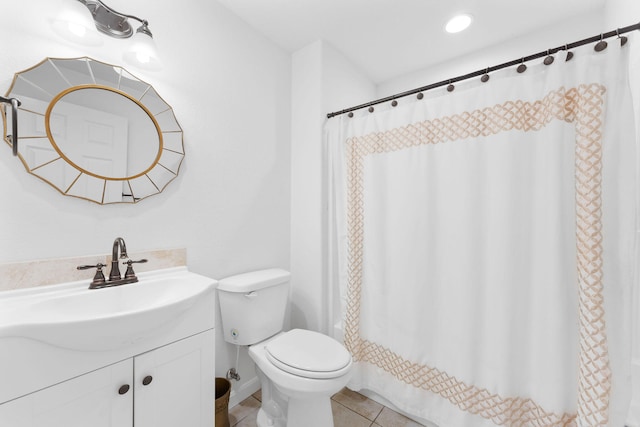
{"points": [[458, 23]]}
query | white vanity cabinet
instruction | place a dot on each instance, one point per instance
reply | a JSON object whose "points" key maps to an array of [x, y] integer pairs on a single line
{"points": [[136, 355], [89, 400], [166, 387], [180, 391]]}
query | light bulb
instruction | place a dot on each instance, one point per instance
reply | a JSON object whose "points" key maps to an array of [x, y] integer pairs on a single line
{"points": [[143, 57], [75, 23], [458, 23], [142, 52], [77, 29]]}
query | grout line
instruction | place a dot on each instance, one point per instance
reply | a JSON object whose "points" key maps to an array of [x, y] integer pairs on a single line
{"points": [[373, 422], [375, 417], [345, 406], [378, 414], [247, 414], [381, 409], [351, 410]]}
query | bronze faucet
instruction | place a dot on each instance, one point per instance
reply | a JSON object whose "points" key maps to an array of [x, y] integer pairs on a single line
{"points": [[119, 251], [118, 243]]}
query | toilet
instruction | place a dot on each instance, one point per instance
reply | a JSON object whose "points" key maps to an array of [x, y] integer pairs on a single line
{"points": [[299, 370]]}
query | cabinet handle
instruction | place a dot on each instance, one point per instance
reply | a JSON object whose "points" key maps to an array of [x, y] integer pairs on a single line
{"points": [[123, 389], [147, 380]]}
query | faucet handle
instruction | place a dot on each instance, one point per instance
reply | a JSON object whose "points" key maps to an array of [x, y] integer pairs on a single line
{"points": [[98, 279], [99, 266], [130, 273]]}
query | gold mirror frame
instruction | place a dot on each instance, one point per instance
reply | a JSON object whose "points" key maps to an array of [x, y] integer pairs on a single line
{"points": [[52, 79]]}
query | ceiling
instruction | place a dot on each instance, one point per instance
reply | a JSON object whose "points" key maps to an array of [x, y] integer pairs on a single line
{"points": [[389, 38]]}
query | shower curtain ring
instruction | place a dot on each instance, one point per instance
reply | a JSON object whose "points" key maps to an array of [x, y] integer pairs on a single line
{"points": [[451, 87], [601, 45], [485, 76], [521, 68], [549, 59], [623, 39], [569, 53]]}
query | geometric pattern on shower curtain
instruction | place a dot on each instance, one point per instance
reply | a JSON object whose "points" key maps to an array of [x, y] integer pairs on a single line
{"points": [[581, 106]]}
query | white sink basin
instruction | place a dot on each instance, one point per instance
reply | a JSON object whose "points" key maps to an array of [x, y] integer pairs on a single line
{"points": [[74, 317]]}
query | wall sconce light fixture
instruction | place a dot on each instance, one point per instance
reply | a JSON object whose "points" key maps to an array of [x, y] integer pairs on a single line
{"points": [[78, 23]]}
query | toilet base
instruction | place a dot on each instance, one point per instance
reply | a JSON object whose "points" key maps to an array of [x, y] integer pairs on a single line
{"points": [[264, 420], [293, 401]]}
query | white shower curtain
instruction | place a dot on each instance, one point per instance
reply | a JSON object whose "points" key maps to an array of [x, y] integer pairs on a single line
{"points": [[482, 245]]}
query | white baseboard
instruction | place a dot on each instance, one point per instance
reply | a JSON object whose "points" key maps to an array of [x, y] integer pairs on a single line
{"points": [[245, 390]]}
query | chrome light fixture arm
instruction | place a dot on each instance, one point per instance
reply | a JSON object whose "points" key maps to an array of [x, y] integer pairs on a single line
{"points": [[112, 22], [15, 103]]}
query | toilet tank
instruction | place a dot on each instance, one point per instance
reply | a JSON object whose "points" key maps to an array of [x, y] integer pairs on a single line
{"points": [[253, 305]]}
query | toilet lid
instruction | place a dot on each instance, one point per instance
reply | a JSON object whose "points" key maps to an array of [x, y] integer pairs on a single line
{"points": [[309, 354]]}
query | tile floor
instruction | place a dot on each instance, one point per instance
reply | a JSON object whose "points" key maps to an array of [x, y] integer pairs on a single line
{"points": [[350, 409]]}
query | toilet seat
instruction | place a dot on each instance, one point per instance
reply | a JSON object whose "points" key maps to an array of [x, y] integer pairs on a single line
{"points": [[308, 354]]}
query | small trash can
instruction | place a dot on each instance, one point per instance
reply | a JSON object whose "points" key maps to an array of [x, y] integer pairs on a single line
{"points": [[223, 390]]}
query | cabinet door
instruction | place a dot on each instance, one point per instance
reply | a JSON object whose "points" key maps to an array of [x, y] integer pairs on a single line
{"points": [[92, 400], [179, 385]]}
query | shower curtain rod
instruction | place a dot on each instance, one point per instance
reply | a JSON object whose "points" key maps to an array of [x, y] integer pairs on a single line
{"points": [[487, 70]]}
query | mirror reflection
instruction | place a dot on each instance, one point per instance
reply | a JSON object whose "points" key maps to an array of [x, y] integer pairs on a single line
{"points": [[103, 132], [94, 131]]}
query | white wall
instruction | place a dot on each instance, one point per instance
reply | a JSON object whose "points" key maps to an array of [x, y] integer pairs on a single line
{"points": [[621, 13], [230, 90], [306, 175], [578, 28], [323, 81]]}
